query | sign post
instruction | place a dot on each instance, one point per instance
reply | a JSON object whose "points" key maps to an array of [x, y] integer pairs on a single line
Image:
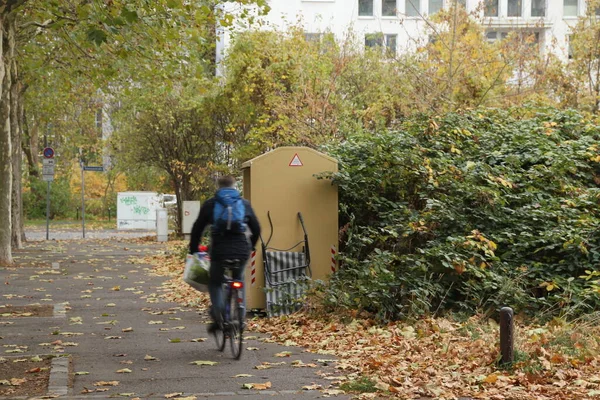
{"points": [[82, 199], [48, 176]]}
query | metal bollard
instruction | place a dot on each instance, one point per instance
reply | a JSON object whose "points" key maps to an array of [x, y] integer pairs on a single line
{"points": [[507, 335]]}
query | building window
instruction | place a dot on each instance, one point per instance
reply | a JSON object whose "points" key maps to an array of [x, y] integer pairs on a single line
{"points": [[312, 37], [373, 40], [571, 8], [99, 118], [388, 42], [490, 8], [493, 36], [388, 8], [538, 8], [413, 8], [365, 8], [435, 6], [391, 44], [513, 8]]}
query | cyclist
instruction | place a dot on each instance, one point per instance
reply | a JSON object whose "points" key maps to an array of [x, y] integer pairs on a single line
{"points": [[224, 245]]}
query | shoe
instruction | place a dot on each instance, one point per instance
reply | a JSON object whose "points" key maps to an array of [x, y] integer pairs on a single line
{"points": [[213, 327]]}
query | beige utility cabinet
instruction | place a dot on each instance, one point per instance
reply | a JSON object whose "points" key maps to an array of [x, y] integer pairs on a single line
{"points": [[282, 183]]}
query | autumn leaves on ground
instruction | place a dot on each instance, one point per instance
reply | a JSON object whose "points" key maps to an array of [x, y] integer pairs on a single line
{"points": [[442, 358]]}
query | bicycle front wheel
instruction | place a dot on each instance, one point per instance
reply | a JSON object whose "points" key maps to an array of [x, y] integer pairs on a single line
{"points": [[236, 325]]}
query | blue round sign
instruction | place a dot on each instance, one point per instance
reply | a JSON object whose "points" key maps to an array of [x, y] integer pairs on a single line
{"points": [[48, 152]]}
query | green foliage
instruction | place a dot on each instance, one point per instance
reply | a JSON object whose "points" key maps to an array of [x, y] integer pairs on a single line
{"points": [[360, 385], [471, 212], [62, 204]]}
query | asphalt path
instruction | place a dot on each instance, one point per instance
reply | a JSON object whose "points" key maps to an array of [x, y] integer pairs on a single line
{"points": [[110, 319]]}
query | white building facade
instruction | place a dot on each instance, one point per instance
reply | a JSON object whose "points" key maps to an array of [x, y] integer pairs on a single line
{"points": [[400, 24]]}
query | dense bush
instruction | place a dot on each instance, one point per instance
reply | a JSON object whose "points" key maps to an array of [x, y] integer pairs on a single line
{"points": [[61, 199], [471, 212]]}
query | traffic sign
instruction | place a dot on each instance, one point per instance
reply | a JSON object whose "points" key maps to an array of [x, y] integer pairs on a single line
{"points": [[48, 152], [296, 161], [48, 170], [94, 168], [48, 165]]}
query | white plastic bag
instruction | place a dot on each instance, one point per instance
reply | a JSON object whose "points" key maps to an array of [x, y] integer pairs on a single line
{"points": [[196, 272]]}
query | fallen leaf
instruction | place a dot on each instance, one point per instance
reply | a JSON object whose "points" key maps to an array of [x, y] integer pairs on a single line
{"points": [[106, 383], [113, 337], [284, 354], [242, 376], [124, 371], [171, 395], [150, 358], [252, 348], [299, 363], [257, 386], [175, 340], [202, 339], [312, 387], [127, 330], [82, 373], [204, 363]]}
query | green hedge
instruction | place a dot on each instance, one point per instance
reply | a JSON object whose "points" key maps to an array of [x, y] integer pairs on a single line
{"points": [[471, 212]]}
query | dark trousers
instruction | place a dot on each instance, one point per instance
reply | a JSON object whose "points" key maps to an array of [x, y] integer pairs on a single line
{"points": [[215, 287]]}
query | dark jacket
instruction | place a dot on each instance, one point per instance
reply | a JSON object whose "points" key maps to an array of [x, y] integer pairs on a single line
{"points": [[225, 245]]}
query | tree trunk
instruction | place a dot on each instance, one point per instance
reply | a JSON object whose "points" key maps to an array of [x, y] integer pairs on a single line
{"points": [[17, 159], [29, 143], [6, 34], [21, 121]]}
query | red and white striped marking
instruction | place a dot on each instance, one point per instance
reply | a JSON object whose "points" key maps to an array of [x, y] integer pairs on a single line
{"points": [[333, 263], [253, 268]]}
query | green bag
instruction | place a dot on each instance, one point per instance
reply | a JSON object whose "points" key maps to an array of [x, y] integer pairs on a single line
{"points": [[196, 272]]}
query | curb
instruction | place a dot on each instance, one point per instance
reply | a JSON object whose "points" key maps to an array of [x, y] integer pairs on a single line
{"points": [[58, 385]]}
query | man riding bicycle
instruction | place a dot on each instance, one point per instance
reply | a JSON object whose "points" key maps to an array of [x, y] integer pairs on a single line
{"points": [[234, 233]]}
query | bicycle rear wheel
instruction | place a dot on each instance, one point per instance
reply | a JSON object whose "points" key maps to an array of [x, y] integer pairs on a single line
{"points": [[236, 324]]}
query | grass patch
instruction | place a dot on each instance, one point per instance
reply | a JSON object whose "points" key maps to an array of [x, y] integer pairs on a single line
{"points": [[360, 385]]}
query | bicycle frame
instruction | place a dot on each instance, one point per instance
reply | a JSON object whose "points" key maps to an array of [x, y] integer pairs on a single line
{"points": [[233, 317]]}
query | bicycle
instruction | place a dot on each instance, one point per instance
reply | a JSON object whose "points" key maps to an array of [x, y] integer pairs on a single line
{"points": [[232, 326]]}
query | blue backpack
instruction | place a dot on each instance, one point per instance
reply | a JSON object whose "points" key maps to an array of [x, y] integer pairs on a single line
{"points": [[229, 212]]}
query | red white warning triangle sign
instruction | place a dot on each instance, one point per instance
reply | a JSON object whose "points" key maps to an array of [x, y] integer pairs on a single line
{"points": [[296, 161]]}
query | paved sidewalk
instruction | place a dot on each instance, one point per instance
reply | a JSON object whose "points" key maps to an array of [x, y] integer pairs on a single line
{"points": [[97, 294]]}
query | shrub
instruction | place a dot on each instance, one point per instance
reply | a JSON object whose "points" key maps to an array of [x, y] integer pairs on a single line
{"points": [[61, 201], [470, 212]]}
